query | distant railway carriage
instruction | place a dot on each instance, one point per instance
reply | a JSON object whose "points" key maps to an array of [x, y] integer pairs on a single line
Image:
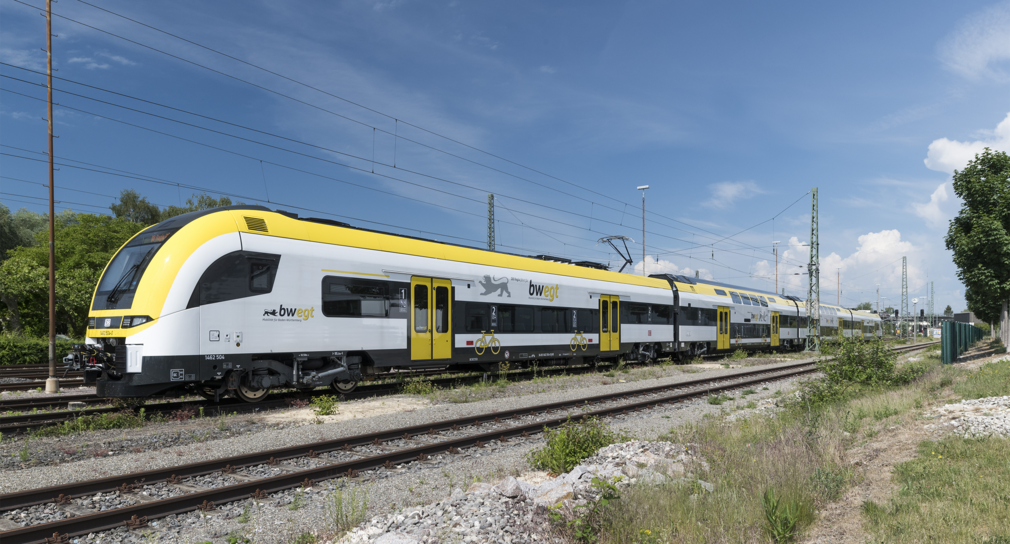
{"points": [[241, 299]]}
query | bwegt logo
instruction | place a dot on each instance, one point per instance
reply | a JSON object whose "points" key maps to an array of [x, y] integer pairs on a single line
{"points": [[550, 292], [303, 313]]}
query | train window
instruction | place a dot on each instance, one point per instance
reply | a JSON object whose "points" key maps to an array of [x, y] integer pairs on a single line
{"points": [[506, 318], [754, 300], [421, 308], [441, 309], [261, 275], [353, 297], [745, 299], [661, 315], [524, 319], [736, 298], [616, 326], [476, 317], [637, 313], [236, 275], [605, 316], [771, 300], [549, 318], [720, 292], [585, 320], [763, 301]]}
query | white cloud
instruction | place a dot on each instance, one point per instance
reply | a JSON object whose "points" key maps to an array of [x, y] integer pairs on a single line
{"points": [[946, 155], [88, 63], [979, 44], [121, 60], [726, 192], [662, 266], [548, 69], [930, 211], [24, 58]]}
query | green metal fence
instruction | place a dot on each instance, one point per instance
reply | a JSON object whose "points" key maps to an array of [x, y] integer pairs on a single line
{"points": [[956, 338]]}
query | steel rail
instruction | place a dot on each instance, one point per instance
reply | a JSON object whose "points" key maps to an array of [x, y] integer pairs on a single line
{"points": [[110, 519]]}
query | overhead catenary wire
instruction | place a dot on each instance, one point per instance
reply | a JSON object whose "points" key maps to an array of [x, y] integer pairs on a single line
{"points": [[724, 239], [396, 119]]}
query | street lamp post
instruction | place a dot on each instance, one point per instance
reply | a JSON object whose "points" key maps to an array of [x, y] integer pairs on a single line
{"points": [[915, 322], [643, 188], [775, 250]]}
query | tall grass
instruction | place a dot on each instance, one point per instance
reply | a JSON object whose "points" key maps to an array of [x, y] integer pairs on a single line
{"points": [[796, 458]]}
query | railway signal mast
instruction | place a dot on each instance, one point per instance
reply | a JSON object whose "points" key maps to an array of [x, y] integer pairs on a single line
{"points": [[814, 285], [904, 295], [52, 383], [490, 222]]}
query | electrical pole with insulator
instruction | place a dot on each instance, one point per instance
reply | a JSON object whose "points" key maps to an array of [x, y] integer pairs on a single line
{"points": [[52, 383]]}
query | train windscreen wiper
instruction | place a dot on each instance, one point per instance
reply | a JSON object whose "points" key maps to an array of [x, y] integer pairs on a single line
{"points": [[117, 291]]}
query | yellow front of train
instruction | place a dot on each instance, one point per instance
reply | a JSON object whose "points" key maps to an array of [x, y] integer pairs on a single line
{"points": [[138, 310]]}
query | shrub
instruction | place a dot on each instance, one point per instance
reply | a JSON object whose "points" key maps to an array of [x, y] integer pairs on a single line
{"points": [[422, 388], [571, 443], [324, 405], [738, 354], [27, 350]]}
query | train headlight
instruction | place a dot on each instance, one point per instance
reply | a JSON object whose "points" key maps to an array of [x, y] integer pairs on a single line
{"points": [[136, 320]]}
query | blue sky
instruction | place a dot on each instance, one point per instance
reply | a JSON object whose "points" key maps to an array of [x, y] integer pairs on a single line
{"points": [[730, 112]]}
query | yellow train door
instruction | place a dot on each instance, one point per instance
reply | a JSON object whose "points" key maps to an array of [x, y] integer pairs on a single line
{"points": [[775, 329], [610, 326], [723, 328], [430, 319]]}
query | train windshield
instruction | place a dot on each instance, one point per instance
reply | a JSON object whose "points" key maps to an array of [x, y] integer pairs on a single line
{"points": [[119, 283]]}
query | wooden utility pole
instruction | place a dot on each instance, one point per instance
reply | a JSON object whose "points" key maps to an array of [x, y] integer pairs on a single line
{"points": [[53, 383]]}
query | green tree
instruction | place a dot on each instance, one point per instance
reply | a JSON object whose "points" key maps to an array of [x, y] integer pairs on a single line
{"points": [[197, 203], [84, 245], [19, 228], [979, 236], [135, 208], [889, 310], [864, 306], [948, 311]]}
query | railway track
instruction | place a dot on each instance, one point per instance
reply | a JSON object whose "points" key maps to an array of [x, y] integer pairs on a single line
{"points": [[35, 420], [412, 444], [417, 443]]}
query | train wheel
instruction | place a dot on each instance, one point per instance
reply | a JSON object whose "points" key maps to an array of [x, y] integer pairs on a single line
{"points": [[344, 387], [250, 394]]}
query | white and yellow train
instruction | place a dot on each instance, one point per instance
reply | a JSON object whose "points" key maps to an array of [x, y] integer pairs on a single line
{"points": [[241, 299]]}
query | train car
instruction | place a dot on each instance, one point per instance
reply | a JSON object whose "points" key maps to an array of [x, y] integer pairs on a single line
{"points": [[239, 300]]}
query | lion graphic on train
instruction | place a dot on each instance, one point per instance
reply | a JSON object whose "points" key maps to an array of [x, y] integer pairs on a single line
{"points": [[499, 285]]}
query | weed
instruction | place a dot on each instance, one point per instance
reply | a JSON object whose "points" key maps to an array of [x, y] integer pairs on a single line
{"points": [[781, 525], [610, 374], [585, 523], [324, 405], [305, 538], [738, 355], [719, 399], [201, 412], [571, 443], [297, 502], [185, 413], [24, 454], [828, 483], [421, 388], [750, 405], [94, 422], [749, 392], [345, 509], [235, 537], [245, 516], [222, 425]]}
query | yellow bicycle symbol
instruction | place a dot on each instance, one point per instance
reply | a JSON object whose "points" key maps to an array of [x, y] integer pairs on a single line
{"points": [[484, 343], [578, 341]]}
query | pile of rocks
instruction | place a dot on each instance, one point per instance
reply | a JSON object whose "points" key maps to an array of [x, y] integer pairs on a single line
{"points": [[974, 418], [516, 511]]}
